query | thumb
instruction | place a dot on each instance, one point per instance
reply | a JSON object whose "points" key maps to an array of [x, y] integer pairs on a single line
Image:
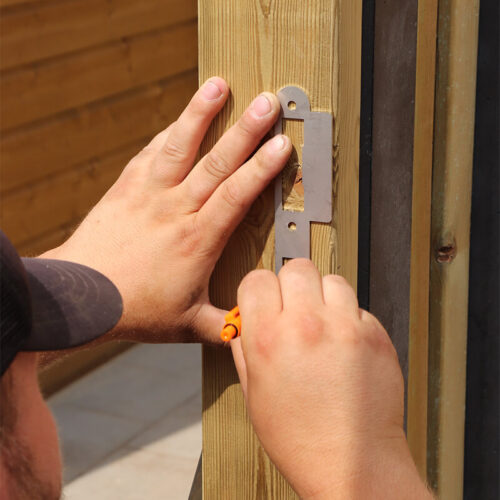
{"points": [[241, 366], [209, 323]]}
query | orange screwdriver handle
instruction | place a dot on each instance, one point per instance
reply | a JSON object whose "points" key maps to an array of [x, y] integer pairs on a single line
{"points": [[232, 327]]}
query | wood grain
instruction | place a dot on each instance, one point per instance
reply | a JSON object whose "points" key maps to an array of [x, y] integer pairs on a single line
{"points": [[450, 233], [32, 93], [10, 3], [40, 30], [257, 46], [421, 233], [54, 377], [31, 153]]}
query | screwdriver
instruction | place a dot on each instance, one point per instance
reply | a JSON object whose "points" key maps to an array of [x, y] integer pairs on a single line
{"points": [[232, 328]]}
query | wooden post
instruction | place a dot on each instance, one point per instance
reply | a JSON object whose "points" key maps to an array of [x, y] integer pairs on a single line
{"points": [[450, 228], [259, 45], [423, 137]]}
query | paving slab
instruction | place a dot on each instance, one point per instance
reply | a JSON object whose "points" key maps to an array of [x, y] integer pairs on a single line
{"points": [[87, 437], [131, 429], [177, 434], [138, 392], [135, 475]]}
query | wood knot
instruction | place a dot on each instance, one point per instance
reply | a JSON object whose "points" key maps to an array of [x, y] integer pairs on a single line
{"points": [[265, 6], [446, 253]]}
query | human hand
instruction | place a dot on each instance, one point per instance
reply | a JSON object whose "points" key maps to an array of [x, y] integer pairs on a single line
{"points": [[323, 387], [158, 232]]}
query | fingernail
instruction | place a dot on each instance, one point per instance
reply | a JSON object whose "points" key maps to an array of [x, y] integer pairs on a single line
{"points": [[261, 105], [210, 91], [278, 143]]}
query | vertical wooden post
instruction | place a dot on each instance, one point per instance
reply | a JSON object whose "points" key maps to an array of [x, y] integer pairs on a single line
{"points": [[259, 45], [450, 226], [423, 137]]}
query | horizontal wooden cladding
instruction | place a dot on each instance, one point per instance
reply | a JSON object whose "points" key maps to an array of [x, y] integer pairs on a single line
{"points": [[9, 3], [43, 90], [51, 204], [56, 376], [40, 30], [29, 154]]}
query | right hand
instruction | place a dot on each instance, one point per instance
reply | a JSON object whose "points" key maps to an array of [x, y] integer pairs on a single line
{"points": [[323, 386]]}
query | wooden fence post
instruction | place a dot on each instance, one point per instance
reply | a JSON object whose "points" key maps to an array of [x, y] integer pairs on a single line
{"points": [[259, 45], [450, 232], [423, 138]]}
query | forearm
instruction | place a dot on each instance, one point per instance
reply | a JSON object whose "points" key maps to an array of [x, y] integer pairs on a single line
{"points": [[47, 358], [386, 476]]}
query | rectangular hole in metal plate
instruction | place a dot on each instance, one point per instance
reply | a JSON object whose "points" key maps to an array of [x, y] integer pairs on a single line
{"points": [[293, 188]]}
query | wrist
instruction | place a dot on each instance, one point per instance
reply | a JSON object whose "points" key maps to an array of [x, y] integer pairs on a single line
{"points": [[118, 332], [374, 471]]}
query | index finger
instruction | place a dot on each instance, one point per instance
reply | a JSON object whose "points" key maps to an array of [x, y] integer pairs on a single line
{"points": [[259, 299]]}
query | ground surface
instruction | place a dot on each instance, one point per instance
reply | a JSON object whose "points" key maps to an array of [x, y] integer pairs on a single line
{"points": [[131, 429]]}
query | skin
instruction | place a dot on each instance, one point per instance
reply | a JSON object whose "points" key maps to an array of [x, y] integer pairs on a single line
{"points": [[34, 444], [158, 232], [323, 387], [314, 397]]}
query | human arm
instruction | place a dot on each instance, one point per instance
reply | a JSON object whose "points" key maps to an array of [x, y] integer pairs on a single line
{"points": [[323, 387]]}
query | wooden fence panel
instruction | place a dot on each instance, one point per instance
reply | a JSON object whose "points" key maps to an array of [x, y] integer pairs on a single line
{"points": [[30, 153], [40, 30], [32, 93], [80, 82]]}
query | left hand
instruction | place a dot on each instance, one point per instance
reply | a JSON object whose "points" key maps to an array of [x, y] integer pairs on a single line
{"points": [[158, 232]]}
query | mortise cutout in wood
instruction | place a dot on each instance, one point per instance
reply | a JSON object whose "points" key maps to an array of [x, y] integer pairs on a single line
{"points": [[311, 173], [293, 188]]}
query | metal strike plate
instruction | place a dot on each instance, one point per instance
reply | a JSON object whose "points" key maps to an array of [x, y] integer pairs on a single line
{"points": [[293, 228]]}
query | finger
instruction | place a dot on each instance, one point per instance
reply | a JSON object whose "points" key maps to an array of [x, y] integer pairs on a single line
{"points": [[301, 285], [148, 154], [227, 206], [159, 139], [209, 323], [369, 318], [233, 148], [241, 366], [178, 152], [376, 331], [339, 294], [259, 299]]}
